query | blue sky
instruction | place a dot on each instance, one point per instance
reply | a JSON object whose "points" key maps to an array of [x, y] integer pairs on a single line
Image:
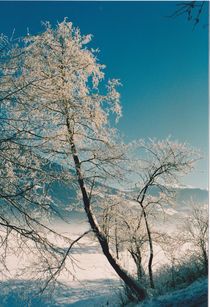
{"points": [[161, 62]]}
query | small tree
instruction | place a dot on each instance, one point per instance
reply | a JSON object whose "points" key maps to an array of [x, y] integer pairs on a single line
{"points": [[137, 239], [171, 245], [163, 163], [195, 232], [123, 227], [159, 171]]}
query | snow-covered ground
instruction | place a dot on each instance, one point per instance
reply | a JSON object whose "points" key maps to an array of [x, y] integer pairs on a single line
{"points": [[93, 283], [195, 295], [98, 293]]}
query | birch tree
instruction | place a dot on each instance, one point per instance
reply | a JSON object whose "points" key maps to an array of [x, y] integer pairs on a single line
{"points": [[53, 99]]}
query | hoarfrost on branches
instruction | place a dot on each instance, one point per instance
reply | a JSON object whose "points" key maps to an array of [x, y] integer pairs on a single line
{"points": [[55, 124]]}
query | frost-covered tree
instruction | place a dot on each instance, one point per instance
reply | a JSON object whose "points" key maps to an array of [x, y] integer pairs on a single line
{"points": [[136, 241], [56, 108], [25, 177], [195, 232], [123, 226], [158, 171], [54, 105], [133, 220]]}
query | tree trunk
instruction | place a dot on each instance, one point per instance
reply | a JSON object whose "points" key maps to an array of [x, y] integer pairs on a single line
{"points": [[139, 271], [151, 250], [116, 241], [173, 273], [205, 258], [132, 284], [128, 280], [137, 259]]}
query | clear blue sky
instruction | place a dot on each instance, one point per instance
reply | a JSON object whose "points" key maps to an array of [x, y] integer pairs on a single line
{"points": [[161, 62]]}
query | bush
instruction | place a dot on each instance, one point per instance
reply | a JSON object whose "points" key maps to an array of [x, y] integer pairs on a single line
{"points": [[179, 276]]}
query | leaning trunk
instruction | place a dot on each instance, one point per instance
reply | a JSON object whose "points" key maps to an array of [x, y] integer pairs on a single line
{"points": [[134, 286], [131, 283]]}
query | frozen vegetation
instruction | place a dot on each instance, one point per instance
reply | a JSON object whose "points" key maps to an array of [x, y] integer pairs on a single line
{"points": [[102, 293], [95, 284], [192, 296], [63, 161]]}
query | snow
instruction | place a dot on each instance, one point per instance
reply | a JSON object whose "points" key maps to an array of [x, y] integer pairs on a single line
{"points": [[88, 293], [93, 283], [100, 292], [194, 295]]}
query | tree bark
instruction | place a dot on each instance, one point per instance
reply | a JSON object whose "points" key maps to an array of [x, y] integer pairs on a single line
{"points": [[137, 259], [151, 250], [132, 284], [205, 257], [116, 241]]}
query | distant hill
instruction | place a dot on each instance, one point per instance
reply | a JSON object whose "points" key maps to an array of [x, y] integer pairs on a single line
{"points": [[194, 194], [64, 196]]}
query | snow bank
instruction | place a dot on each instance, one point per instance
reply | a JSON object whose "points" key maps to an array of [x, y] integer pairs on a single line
{"points": [[193, 296]]}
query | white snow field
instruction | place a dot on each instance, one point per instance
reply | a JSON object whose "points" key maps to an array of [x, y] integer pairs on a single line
{"points": [[93, 283]]}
